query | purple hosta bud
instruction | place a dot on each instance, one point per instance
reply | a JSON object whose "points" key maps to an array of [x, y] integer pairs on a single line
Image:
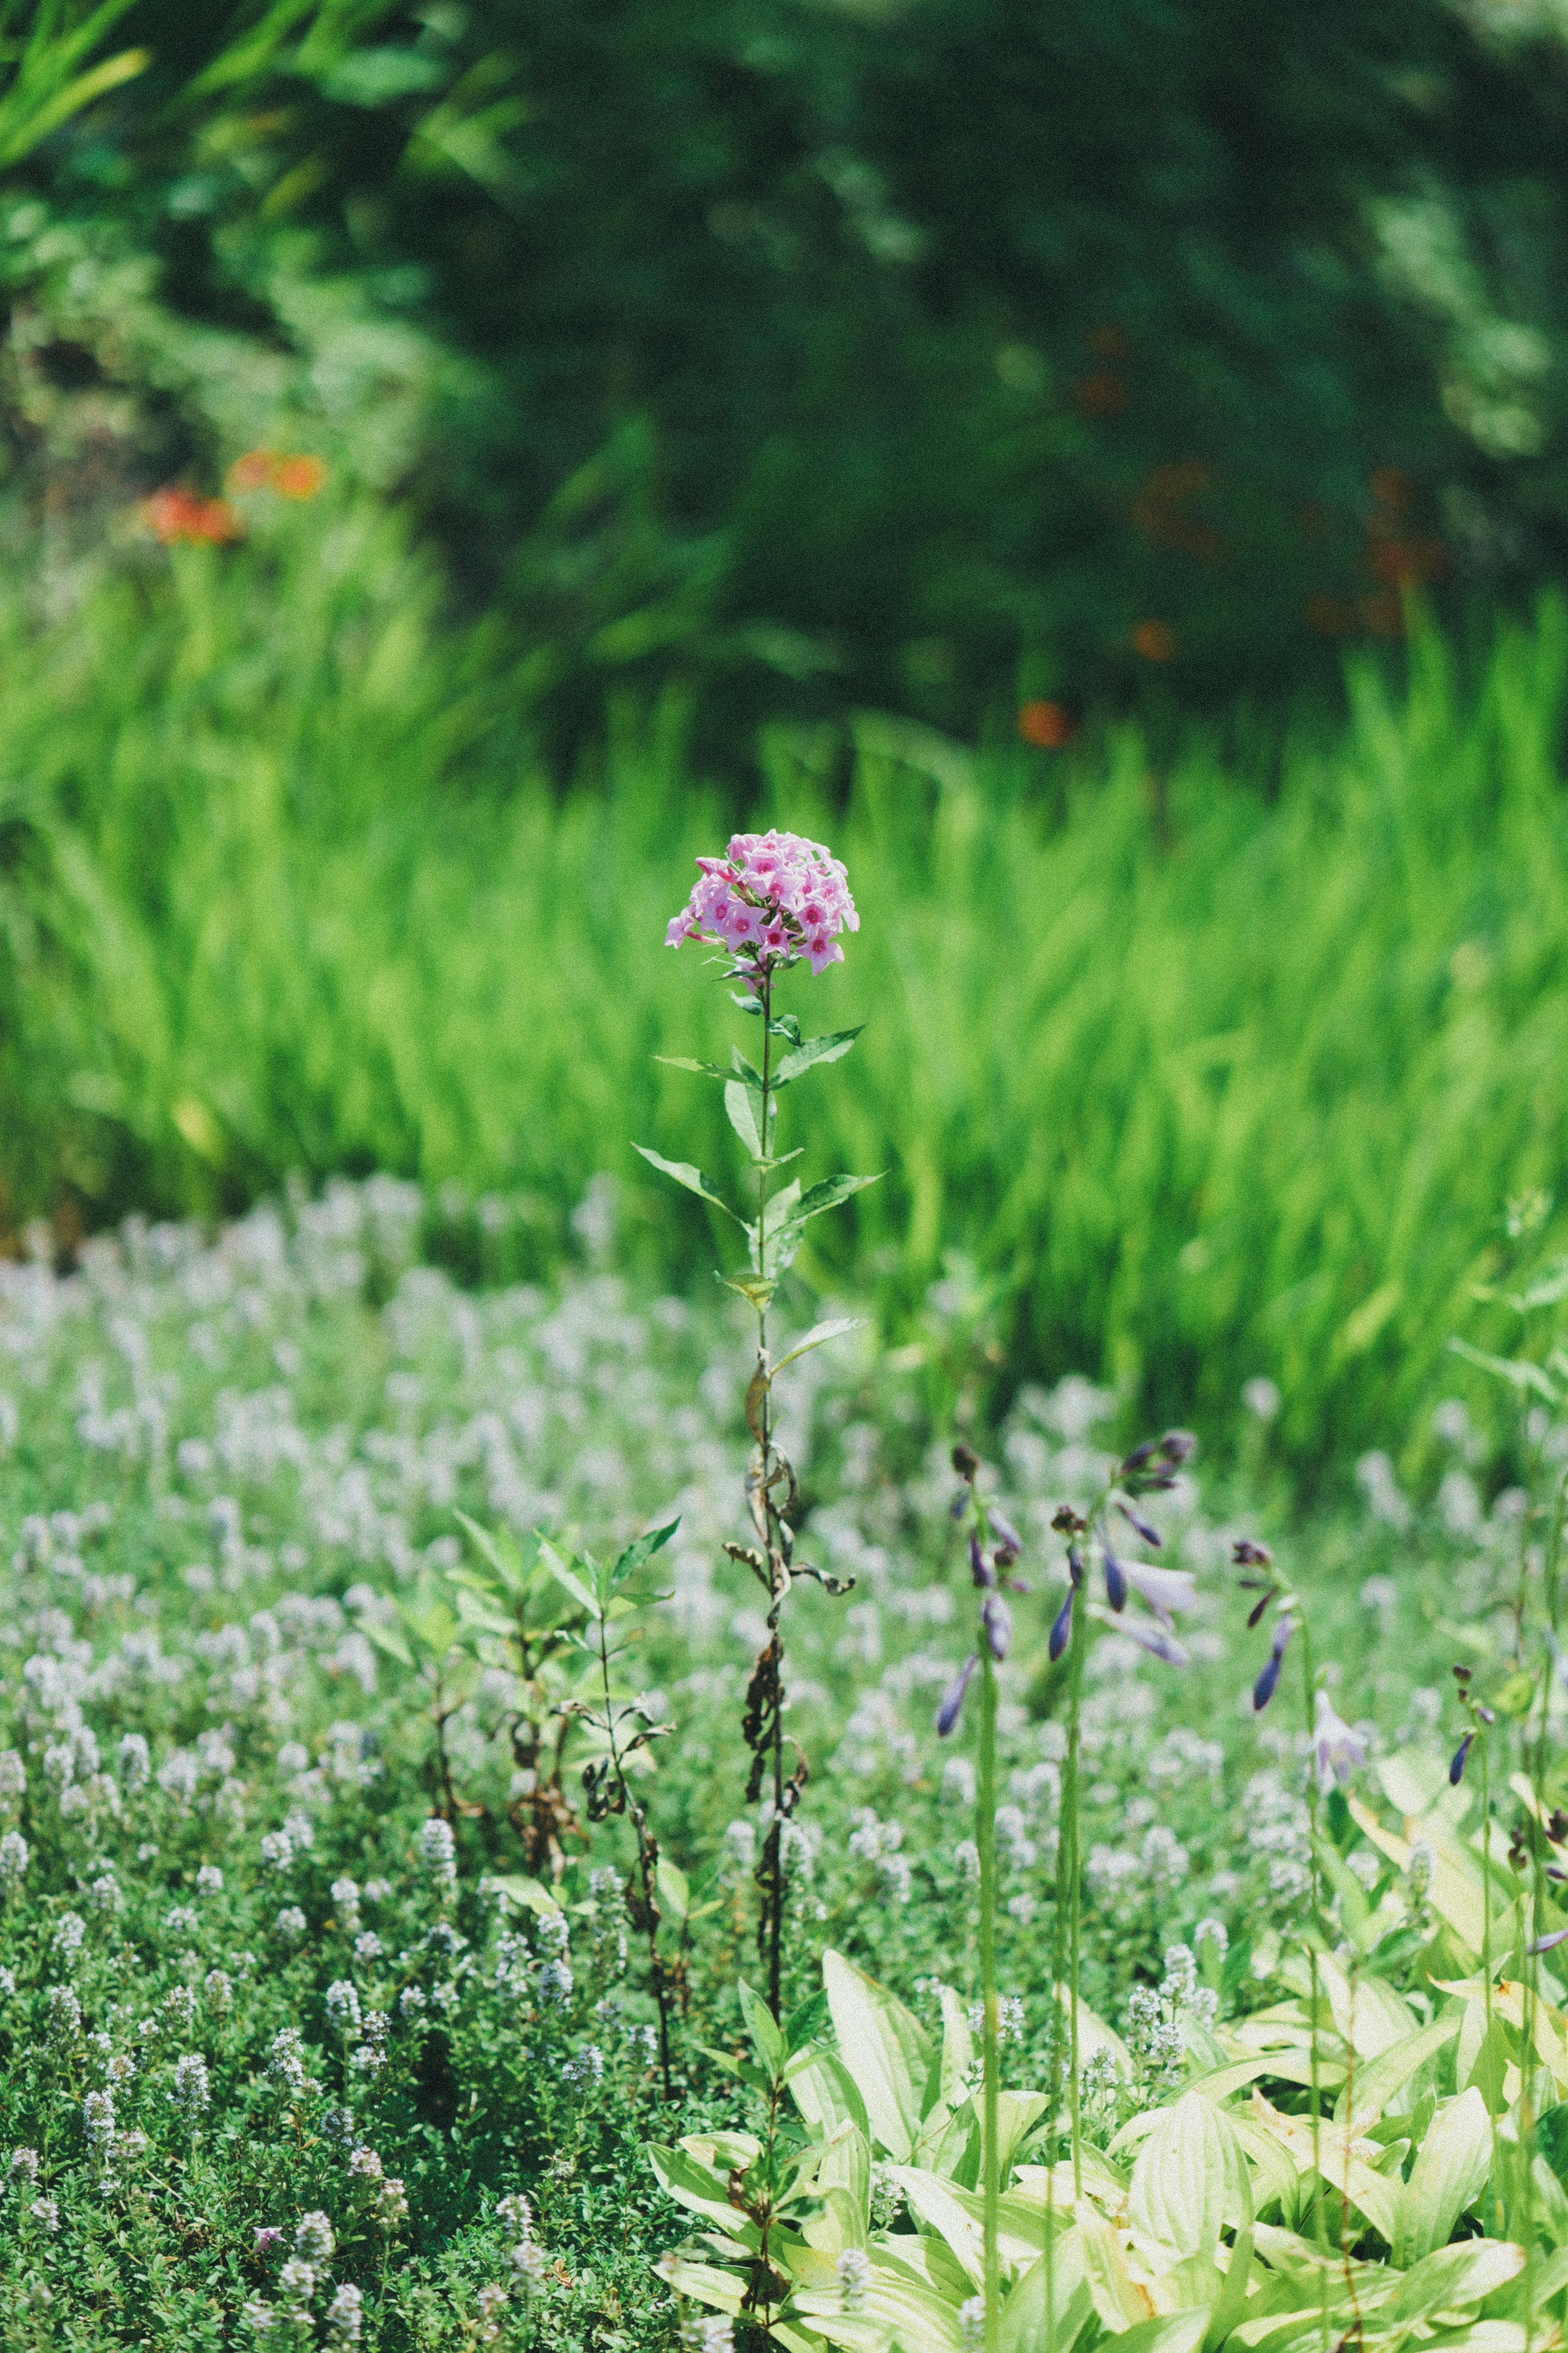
{"points": [[1177, 1445], [1155, 1640], [1015, 1584], [947, 1714], [1075, 1563], [1544, 1944], [1140, 1455], [1258, 1608], [1008, 1538], [1457, 1769], [1338, 1749], [1267, 1683], [1150, 1534], [1062, 1630], [965, 1461], [997, 1620], [960, 1503], [1115, 1581], [978, 1570], [1248, 1554]]}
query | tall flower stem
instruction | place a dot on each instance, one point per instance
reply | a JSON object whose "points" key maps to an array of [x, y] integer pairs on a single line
{"points": [[1308, 1709], [991, 2016], [773, 1922], [1069, 1832]]}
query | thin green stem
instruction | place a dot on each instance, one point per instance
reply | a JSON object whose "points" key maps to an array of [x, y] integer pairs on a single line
{"points": [[1077, 1650], [991, 2016], [1314, 1944]]}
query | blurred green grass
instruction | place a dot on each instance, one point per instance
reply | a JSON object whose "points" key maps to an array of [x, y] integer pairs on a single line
{"points": [[1223, 1078]]}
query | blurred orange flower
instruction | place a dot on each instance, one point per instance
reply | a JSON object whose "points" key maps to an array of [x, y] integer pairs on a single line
{"points": [[291, 474], [175, 514], [1101, 395], [1155, 640], [1050, 725]]}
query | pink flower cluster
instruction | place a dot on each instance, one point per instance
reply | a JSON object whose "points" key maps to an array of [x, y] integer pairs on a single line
{"points": [[770, 898]]}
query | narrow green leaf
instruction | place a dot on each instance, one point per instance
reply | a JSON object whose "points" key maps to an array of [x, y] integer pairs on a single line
{"points": [[760, 2024], [388, 1639], [1450, 2169], [828, 1049], [685, 1062], [834, 1329], [530, 1892], [692, 1178], [830, 1192], [1517, 1371], [1464, 2274], [885, 2049], [674, 1888]]}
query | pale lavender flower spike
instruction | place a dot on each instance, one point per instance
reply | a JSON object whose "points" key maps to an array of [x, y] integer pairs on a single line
{"points": [[771, 899]]}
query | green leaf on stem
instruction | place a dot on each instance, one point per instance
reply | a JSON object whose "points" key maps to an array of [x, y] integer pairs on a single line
{"points": [[692, 1178], [769, 2042], [674, 1888], [830, 1048], [753, 1288], [530, 1892], [741, 1111], [833, 1329], [786, 1026], [642, 1550], [388, 1639], [571, 1581], [685, 1062], [831, 1191]]}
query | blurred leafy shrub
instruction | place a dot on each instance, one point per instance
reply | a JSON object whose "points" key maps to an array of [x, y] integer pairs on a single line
{"points": [[939, 355]]}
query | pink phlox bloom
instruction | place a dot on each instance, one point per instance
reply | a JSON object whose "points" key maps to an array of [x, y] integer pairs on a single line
{"points": [[774, 897]]}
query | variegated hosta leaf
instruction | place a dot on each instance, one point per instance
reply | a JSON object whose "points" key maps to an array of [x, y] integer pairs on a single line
{"points": [[1189, 2173], [886, 2050], [1449, 2172]]}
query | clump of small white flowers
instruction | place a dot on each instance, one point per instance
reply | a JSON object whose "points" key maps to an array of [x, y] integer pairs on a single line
{"points": [[209, 1880], [345, 1903], [296, 2283], [1212, 1932], [218, 1987], [315, 2239], [45, 2213], [276, 1849], [410, 2000], [192, 2090], [181, 1920], [437, 1850], [343, 2006], [490, 2304], [64, 2014], [24, 2166], [376, 1891], [13, 1780], [555, 1981], [886, 2198], [711, 2332], [966, 1858], [972, 2321], [853, 2278], [287, 2059], [344, 2317], [135, 1761], [291, 1924], [14, 1854], [368, 1945], [98, 2117], [104, 1894], [1011, 2023], [70, 1930]]}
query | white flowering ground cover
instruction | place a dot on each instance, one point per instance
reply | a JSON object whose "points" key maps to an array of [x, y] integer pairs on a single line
{"points": [[290, 2058]]}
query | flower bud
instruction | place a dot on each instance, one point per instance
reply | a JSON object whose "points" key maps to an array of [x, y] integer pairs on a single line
{"points": [[947, 1714], [1177, 1445], [1457, 1769], [1267, 1683], [978, 1570], [1063, 1627], [997, 1620], [1150, 1534], [1115, 1581], [1140, 1455], [1008, 1538], [1248, 1554], [965, 1462]]}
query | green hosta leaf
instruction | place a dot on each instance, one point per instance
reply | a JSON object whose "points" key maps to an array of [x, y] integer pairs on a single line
{"points": [[1118, 2302], [702, 2189], [1464, 2274], [834, 1329], [1368, 2092], [1183, 2182], [692, 1178], [828, 2096], [885, 2050], [830, 1048], [1450, 2169], [805, 2022], [1050, 2305], [1173, 2332], [935, 2204], [740, 1112], [901, 2310], [1517, 1371]]}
